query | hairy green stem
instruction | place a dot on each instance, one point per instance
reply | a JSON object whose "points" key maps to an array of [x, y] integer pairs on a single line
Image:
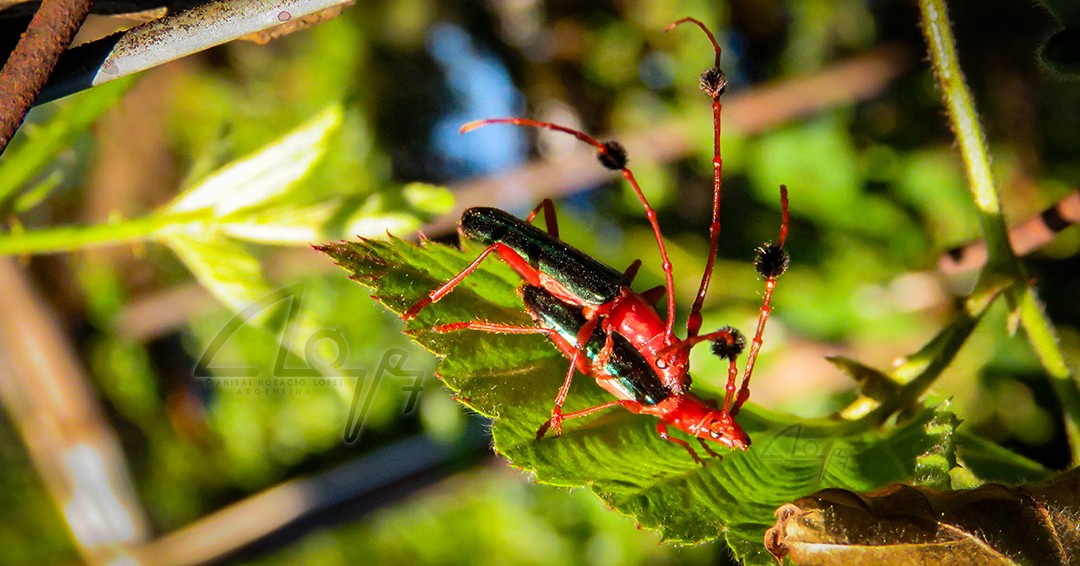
{"points": [[969, 134], [1001, 258], [1040, 332]]}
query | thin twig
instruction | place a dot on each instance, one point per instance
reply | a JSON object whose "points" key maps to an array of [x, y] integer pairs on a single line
{"points": [[172, 37], [47, 395], [29, 66]]}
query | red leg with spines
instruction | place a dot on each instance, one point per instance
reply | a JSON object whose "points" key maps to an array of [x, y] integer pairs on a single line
{"points": [[632, 406], [555, 422]]}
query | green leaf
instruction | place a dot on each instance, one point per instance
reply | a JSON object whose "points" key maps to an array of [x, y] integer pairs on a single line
{"points": [[223, 266], [873, 383], [255, 199], [398, 212], [514, 378], [990, 462], [283, 225], [38, 144], [932, 467], [265, 176]]}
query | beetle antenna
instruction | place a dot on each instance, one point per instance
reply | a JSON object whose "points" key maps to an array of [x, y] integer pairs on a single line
{"points": [[771, 262], [713, 83], [613, 156]]}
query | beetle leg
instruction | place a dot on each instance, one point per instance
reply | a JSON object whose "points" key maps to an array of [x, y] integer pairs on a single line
{"points": [[632, 406], [445, 289], [550, 220], [605, 355], [555, 422], [631, 271], [661, 429], [482, 326], [705, 446]]}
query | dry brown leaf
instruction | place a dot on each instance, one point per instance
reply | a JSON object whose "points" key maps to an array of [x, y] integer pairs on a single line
{"points": [[903, 524]]}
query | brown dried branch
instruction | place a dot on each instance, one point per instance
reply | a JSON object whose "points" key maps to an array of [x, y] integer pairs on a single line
{"points": [[21, 8], [29, 66], [47, 395], [1025, 237]]}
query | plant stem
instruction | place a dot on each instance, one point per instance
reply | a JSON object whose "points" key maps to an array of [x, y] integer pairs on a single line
{"points": [[1001, 259], [969, 134], [920, 370], [71, 238], [1044, 342]]}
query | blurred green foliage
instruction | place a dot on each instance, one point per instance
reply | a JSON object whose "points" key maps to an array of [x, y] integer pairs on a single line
{"points": [[877, 194], [520, 524]]}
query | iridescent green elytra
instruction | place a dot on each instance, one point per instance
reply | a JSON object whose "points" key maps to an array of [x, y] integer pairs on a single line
{"points": [[631, 372], [589, 280]]}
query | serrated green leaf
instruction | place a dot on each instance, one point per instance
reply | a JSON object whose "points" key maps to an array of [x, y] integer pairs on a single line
{"points": [[266, 175], [514, 378], [933, 466]]}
